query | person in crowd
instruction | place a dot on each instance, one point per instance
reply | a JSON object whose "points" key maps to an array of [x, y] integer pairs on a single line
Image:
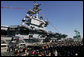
{"points": [[56, 53]]}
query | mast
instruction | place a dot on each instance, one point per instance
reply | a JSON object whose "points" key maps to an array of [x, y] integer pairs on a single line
{"points": [[33, 19]]}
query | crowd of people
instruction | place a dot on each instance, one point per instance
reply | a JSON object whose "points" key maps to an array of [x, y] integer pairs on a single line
{"points": [[67, 43], [55, 51], [59, 48]]}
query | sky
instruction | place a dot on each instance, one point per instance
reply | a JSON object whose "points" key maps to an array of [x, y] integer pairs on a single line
{"points": [[66, 16]]}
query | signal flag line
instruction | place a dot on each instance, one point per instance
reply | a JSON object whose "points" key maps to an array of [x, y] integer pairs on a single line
{"points": [[13, 7]]}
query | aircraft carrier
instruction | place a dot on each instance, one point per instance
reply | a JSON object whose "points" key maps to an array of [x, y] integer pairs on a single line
{"points": [[31, 38]]}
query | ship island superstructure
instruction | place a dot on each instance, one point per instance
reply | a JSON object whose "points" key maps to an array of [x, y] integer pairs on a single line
{"points": [[32, 26]]}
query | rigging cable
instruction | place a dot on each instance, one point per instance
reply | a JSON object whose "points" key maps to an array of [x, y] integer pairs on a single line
{"points": [[51, 23]]}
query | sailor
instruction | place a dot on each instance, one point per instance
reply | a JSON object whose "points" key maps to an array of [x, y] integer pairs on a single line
{"points": [[56, 53]]}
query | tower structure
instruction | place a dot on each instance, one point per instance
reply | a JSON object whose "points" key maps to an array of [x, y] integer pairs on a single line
{"points": [[77, 35], [32, 18], [33, 22]]}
